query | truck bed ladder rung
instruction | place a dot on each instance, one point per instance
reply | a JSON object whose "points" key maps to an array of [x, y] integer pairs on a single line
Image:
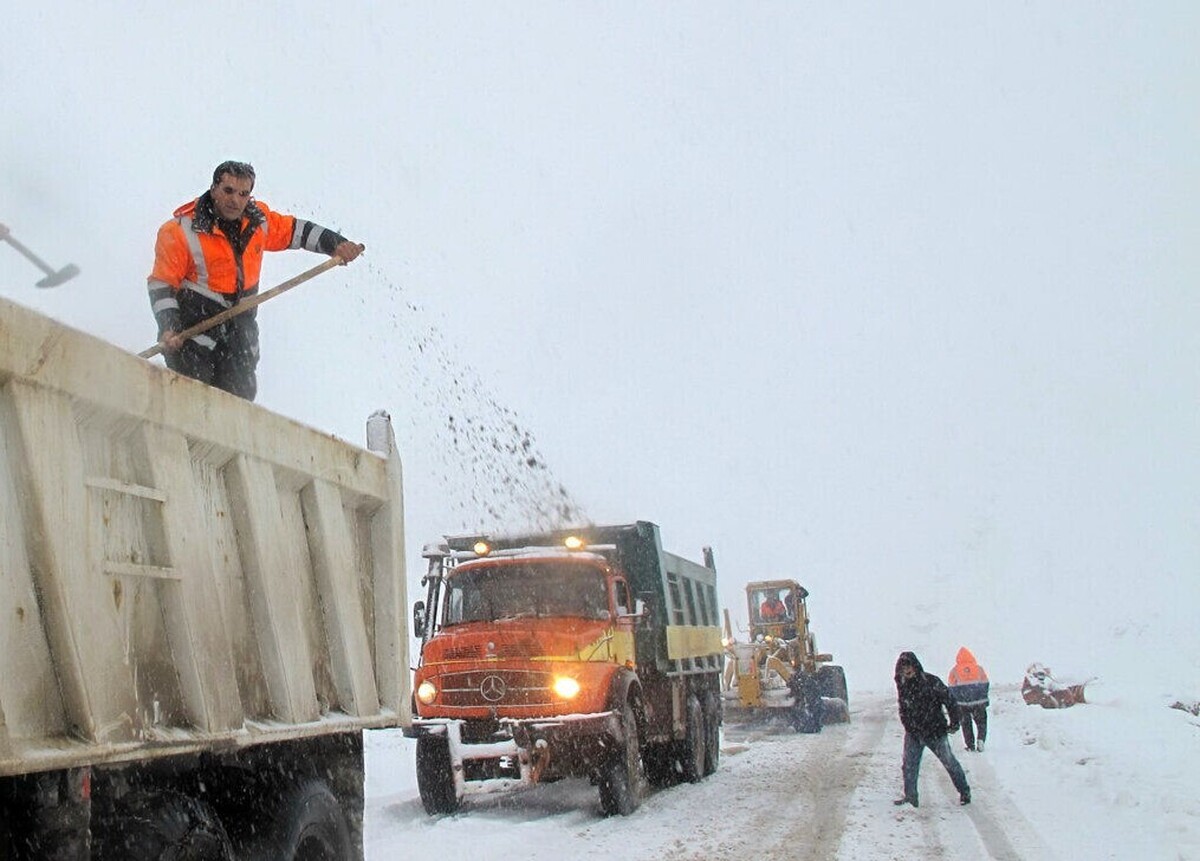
{"points": [[132, 569], [102, 483]]}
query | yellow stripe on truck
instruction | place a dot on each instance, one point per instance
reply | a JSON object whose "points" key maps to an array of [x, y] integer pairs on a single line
{"points": [[692, 641]]}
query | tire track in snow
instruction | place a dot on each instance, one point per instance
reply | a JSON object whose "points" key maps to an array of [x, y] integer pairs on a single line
{"points": [[991, 827], [874, 829], [805, 791], [987, 813], [840, 776]]}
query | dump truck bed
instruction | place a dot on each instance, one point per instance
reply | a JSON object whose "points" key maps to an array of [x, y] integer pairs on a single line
{"points": [[181, 569]]}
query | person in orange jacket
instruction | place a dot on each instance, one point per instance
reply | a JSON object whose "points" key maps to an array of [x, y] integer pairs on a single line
{"points": [[969, 687], [772, 608], [207, 258]]}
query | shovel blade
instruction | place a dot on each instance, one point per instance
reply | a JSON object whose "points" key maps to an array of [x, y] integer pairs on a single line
{"points": [[55, 278]]}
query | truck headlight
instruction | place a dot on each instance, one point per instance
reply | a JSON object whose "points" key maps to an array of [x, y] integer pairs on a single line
{"points": [[566, 687], [427, 692]]}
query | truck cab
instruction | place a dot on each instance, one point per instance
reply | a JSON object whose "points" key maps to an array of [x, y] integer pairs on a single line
{"points": [[573, 654]]}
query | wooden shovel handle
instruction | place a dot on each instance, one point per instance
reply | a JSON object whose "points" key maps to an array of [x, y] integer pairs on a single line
{"points": [[252, 302]]}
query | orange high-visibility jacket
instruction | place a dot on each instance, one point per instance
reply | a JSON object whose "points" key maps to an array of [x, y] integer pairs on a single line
{"points": [[203, 260], [968, 681], [192, 253]]}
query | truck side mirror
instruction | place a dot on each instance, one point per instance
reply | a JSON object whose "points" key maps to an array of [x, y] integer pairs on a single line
{"points": [[643, 610], [639, 611], [419, 617]]}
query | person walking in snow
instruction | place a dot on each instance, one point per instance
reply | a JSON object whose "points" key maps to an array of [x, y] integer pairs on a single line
{"points": [[969, 687], [928, 714], [207, 258]]}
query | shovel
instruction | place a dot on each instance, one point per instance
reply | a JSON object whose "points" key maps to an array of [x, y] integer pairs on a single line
{"points": [[53, 278], [252, 302]]}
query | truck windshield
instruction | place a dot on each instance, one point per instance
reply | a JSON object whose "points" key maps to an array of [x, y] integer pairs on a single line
{"points": [[493, 592]]}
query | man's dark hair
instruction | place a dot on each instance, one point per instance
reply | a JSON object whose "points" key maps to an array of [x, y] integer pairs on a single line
{"points": [[240, 169]]}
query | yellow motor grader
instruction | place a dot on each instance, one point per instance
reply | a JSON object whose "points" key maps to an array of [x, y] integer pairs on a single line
{"points": [[778, 673]]}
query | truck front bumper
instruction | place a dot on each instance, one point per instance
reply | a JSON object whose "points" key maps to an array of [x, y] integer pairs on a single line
{"points": [[522, 752]]}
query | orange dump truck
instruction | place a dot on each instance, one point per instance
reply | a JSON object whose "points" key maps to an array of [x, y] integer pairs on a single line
{"points": [[584, 653]]}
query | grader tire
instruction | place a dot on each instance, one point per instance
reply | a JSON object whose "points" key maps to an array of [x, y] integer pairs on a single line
{"points": [[832, 680]]}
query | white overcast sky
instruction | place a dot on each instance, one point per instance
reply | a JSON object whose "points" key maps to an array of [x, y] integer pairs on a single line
{"points": [[895, 298]]}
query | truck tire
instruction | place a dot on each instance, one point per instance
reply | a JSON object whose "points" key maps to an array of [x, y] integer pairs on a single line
{"points": [[659, 762], [832, 680], [712, 739], [148, 826], [693, 750], [303, 823], [622, 777], [435, 776]]}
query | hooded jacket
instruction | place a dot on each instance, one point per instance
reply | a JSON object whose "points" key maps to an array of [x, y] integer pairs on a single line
{"points": [[927, 710], [968, 681]]}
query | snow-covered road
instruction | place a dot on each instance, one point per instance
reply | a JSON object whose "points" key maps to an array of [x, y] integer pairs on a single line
{"points": [[1052, 785]]}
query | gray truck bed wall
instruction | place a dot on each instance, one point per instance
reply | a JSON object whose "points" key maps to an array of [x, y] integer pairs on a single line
{"points": [[180, 568]]}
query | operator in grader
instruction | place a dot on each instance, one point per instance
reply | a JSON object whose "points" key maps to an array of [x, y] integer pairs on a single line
{"points": [[773, 609]]}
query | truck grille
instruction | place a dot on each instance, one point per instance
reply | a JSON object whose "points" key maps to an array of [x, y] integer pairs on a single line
{"points": [[479, 651], [496, 688]]}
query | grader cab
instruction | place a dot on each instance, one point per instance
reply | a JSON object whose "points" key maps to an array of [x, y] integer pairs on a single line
{"points": [[778, 672]]}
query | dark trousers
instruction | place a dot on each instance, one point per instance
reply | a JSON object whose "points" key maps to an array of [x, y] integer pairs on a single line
{"points": [[911, 767], [230, 364], [974, 718]]}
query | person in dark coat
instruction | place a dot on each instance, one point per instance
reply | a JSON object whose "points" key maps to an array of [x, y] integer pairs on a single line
{"points": [[928, 714]]}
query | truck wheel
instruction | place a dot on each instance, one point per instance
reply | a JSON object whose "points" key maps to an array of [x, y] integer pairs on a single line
{"points": [[712, 738], [304, 823], [148, 826], [621, 777], [435, 775], [832, 680], [693, 751], [659, 762]]}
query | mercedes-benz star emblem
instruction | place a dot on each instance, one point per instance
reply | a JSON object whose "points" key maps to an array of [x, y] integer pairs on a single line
{"points": [[492, 688]]}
